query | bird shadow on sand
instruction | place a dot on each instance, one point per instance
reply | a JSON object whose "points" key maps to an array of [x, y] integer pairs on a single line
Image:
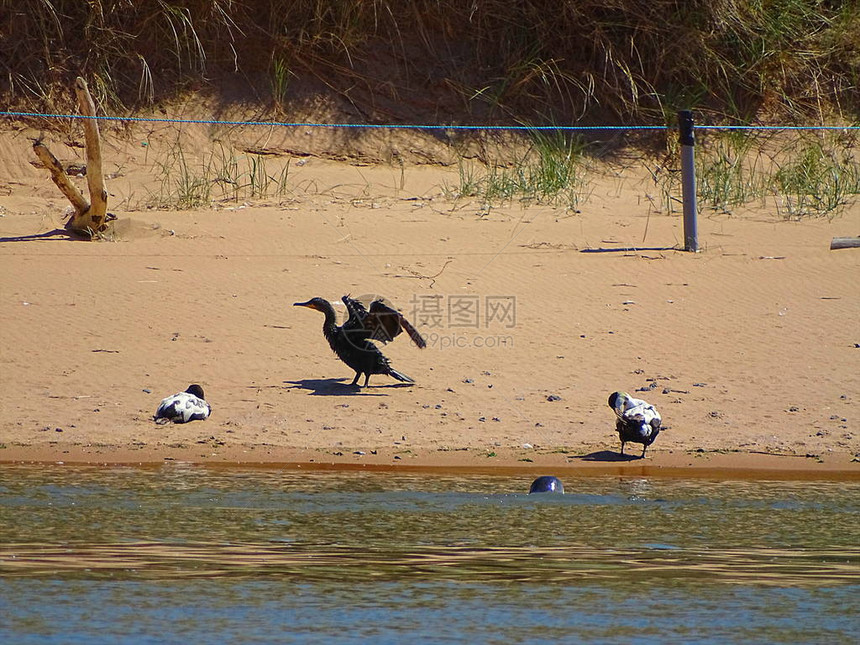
{"points": [[608, 455], [339, 387]]}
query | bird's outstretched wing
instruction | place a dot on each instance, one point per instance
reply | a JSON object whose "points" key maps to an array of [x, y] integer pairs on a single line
{"points": [[356, 311], [355, 326], [416, 337], [386, 323], [380, 323]]}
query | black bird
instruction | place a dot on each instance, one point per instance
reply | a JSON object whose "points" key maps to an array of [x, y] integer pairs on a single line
{"points": [[352, 340], [638, 421]]}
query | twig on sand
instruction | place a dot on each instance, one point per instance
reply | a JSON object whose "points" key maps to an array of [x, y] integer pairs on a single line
{"points": [[421, 276]]}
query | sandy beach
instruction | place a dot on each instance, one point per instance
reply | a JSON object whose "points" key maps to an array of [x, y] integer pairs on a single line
{"points": [[533, 315]]}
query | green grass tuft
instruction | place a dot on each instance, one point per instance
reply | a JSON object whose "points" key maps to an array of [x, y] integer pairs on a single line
{"points": [[219, 176], [818, 179], [552, 170], [807, 175]]}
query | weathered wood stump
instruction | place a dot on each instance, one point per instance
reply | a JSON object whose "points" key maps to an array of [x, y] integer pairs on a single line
{"points": [[89, 217]]}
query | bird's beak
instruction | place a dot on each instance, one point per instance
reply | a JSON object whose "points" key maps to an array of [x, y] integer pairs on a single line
{"points": [[307, 304]]}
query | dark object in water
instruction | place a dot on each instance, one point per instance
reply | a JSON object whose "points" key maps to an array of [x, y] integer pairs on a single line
{"points": [[547, 484]]}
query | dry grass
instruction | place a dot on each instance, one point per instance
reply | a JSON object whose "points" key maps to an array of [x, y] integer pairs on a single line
{"points": [[536, 61], [802, 174]]}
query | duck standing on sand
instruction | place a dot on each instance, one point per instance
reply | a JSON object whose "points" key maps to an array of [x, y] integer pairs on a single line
{"points": [[183, 407], [638, 421]]}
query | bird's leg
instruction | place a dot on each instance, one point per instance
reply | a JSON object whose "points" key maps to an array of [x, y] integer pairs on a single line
{"points": [[643, 452], [366, 379], [622, 447], [355, 380]]}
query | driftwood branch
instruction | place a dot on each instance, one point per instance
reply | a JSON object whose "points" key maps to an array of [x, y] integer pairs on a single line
{"points": [[89, 217], [845, 243], [58, 174], [95, 176]]}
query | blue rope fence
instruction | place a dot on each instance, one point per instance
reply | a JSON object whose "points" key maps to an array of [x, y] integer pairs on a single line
{"points": [[421, 126], [685, 128]]}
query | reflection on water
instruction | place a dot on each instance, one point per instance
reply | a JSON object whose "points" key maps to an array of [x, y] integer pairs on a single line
{"points": [[613, 560], [150, 560]]}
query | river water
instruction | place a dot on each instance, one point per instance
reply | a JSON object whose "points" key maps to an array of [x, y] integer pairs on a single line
{"points": [[182, 553]]}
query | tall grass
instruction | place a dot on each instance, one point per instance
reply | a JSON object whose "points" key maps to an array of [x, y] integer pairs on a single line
{"points": [[804, 175], [532, 61], [727, 171], [817, 179], [280, 80], [552, 170], [448, 61], [220, 175]]}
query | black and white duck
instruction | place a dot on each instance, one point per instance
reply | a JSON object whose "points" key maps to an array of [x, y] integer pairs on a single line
{"points": [[183, 407], [638, 421]]}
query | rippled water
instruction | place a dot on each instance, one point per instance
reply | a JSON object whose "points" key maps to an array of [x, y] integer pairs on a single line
{"points": [[192, 554]]}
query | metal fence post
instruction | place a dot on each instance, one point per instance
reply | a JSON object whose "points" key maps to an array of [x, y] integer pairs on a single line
{"points": [[688, 180]]}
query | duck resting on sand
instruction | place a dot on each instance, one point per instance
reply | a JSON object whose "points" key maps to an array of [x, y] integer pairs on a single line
{"points": [[352, 341], [183, 407], [638, 421]]}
